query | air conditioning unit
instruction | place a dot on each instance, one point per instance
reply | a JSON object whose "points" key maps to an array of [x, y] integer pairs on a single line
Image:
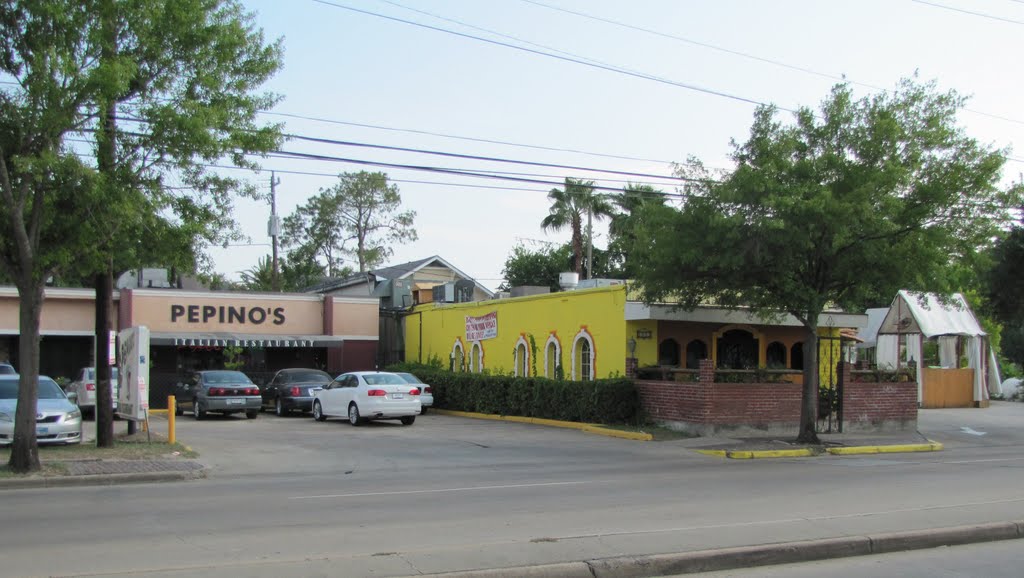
{"points": [[444, 293], [592, 283]]}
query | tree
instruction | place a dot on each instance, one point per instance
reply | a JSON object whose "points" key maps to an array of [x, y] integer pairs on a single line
{"points": [[294, 277], [624, 222], [569, 205], [1006, 278], [358, 217], [542, 267], [843, 207], [181, 72]]}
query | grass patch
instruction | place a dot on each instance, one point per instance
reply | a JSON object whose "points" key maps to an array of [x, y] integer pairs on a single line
{"points": [[658, 432], [53, 459]]}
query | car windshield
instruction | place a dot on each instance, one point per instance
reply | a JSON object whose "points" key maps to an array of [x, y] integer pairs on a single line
{"points": [[383, 379], [6, 369], [409, 378], [226, 377], [310, 376], [48, 389], [92, 373]]}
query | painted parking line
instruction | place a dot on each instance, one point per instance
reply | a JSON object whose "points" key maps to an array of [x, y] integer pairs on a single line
{"points": [[439, 491]]}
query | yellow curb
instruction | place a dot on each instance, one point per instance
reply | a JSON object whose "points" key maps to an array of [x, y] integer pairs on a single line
{"points": [[905, 448], [719, 453], [158, 412], [755, 454], [584, 427]]}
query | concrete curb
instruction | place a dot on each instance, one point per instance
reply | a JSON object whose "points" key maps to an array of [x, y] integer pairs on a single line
{"points": [[584, 427], [760, 555], [808, 452], [100, 479]]}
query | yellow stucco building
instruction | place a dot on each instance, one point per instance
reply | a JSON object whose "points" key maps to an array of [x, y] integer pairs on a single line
{"points": [[589, 333]]}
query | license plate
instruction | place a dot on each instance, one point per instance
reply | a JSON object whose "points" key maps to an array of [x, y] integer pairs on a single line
{"points": [[42, 430], [236, 401], [397, 396]]}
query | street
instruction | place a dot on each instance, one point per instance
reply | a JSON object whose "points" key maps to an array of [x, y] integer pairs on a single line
{"points": [[289, 496]]}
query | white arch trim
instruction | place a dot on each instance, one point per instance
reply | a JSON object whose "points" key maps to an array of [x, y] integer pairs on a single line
{"points": [[552, 340], [521, 342], [476, 361], [583, 335]]}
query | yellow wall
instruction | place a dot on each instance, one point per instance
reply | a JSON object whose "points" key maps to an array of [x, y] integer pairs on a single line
{"points": [[600, 313]]}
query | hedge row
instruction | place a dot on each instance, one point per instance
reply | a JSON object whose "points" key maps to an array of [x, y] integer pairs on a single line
{"points": [[607, 401]]}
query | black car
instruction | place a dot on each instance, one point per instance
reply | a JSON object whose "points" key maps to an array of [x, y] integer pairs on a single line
{"points": [[217, 390], [292, 390]]}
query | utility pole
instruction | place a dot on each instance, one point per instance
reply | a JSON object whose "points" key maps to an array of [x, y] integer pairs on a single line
{"points": [[590, 240], [274, 229]]}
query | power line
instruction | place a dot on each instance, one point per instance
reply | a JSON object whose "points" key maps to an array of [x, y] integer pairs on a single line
{"points": [[475, 157], [981, 14], [466, 138], [555, 56], [749, 56]]}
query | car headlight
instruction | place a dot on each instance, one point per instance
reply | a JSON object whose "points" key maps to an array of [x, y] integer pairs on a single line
{"points": [[5, 417], [75, 414]]}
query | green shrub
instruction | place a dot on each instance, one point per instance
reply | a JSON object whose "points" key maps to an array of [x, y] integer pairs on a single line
{"points": [[608, 401]]}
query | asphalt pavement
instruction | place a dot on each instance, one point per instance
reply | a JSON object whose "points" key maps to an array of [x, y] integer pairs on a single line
{"points": [[962, 428]]}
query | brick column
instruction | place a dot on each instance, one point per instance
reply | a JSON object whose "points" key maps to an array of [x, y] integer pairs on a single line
{"points": [[632, 365], [707, 371]]}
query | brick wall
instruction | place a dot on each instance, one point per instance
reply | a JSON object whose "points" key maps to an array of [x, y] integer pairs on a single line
{"points": [[708, 408]]}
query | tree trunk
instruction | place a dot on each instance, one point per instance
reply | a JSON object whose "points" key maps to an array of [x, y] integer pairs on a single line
{"points": [[104, 389], [809, 400], [25, 450]]}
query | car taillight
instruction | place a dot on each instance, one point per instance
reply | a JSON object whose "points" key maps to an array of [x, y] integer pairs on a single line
{"points": [[90, 387], [252, 391], [426, 389], [376, 393], [414, 391], [216, 391], [296, 391]]}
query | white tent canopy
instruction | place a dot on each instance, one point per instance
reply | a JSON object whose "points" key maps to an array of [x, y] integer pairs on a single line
{"points": [[926, 314], [946, 319]]}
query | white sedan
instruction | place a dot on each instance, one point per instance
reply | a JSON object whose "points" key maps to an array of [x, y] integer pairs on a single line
{"points": [[368, 395]]}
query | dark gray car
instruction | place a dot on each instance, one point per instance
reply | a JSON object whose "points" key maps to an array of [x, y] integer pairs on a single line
{"points": [[292, 390], [217, 390]]}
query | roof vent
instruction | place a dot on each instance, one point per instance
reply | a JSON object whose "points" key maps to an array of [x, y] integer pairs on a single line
{"points": [[568, 280]]}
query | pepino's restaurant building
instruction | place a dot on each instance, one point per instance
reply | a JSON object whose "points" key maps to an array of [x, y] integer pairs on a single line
{"points": [[198, 329]]}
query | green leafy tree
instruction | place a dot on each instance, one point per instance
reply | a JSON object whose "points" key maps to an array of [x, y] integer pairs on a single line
{"points": [[293, 277], [358, 218], [1006, 278], [844, 206], [572, 204], [541, 267], [181, 73]]}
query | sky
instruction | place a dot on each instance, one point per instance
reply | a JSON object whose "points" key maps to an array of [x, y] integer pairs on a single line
{"points": [[354, 72]]}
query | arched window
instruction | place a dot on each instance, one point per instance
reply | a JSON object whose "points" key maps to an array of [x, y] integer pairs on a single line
{"points": [[458, 357], [796, 355], [552, 357], [696, 350], [775, 355], [668, 352], [521, 362], [476, 357], [737, 349], [583, 357]]}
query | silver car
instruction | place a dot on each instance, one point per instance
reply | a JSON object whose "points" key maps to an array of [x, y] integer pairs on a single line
{"points": [[220, 391], [84, 386], [58, 420], [426, 392]]}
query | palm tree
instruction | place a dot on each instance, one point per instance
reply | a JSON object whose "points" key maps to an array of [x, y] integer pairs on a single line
{"points": [[631, 203], [568, 206]]}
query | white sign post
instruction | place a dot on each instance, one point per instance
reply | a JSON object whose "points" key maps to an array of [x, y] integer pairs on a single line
{"points": [[133, 374]]}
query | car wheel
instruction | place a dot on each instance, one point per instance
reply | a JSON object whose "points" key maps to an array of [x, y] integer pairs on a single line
{"points": [[353, 415], [177, 408], [318, 412], [252, 413], [197, 412], [409, 420], [279, 408]]}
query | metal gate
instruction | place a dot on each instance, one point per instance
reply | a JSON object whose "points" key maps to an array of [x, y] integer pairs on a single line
{"points": [[830, 385]]}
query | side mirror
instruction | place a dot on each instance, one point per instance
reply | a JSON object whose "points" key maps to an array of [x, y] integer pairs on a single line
{"points": [[73, 397]]}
